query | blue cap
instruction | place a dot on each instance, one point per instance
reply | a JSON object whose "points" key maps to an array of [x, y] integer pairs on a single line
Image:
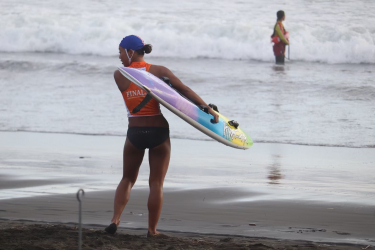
{"points": [[132, 42]]}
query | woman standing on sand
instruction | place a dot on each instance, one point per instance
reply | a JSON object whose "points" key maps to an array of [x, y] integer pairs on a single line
{"points": [[147, 129], [280, 38]]}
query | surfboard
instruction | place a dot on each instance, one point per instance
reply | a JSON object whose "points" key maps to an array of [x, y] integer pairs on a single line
{"points": [[225, 131]]}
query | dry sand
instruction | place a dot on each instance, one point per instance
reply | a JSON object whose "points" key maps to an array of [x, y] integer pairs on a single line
{"points": [[198, 212], [31, 236]]}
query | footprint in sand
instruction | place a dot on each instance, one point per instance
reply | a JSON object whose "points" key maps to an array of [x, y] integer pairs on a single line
{"points": [[341, 233], [230, 225], [305, 230], [164, 219]]}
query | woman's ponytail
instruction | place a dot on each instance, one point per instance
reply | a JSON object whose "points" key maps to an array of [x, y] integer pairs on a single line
{"points": [[147, 48]]}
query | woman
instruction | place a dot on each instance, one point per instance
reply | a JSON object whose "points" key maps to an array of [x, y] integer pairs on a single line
{"points": [[280, 38], [147, 129]]}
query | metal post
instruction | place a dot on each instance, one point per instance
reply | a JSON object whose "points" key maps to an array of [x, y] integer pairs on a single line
{"points": [[80, 218]]}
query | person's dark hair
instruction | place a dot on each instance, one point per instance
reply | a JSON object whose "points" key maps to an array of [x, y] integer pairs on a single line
{"points": [[146, 49], [280, 14]]}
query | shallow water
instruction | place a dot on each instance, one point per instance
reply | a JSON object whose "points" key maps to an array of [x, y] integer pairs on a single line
{"points": [[324, 96], [300, 103]]}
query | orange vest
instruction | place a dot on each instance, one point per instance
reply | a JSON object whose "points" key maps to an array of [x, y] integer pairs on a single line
{"points": [[133, 96], [276, 38]]}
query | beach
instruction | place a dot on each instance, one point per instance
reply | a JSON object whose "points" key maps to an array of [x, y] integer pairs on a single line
{"points": [[58, 236], [264, 201], [308, 182], [26, 235]]}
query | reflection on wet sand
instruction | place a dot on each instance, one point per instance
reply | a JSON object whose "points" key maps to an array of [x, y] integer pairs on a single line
{"points": [[278, 68], [275, 174]]}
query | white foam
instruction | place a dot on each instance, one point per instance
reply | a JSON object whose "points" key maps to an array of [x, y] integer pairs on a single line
{"points": [[220, 31]]}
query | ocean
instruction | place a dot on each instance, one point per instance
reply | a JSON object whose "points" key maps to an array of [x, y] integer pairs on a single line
{"points": [[57, 60]]}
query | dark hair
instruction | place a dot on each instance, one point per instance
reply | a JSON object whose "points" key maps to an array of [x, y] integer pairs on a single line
{"points": [[147, 48], [280, 14]]}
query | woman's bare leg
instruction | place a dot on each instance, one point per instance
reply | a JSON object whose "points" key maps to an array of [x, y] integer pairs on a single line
{"points": [[159, 162], [131, 162]]}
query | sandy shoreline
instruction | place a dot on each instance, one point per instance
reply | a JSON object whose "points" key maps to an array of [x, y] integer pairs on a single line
{"points": [[30, 235], [284, 192], [198, 211]]}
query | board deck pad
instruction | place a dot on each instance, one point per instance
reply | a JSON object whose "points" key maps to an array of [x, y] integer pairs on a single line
{"points": [[188, 111]]}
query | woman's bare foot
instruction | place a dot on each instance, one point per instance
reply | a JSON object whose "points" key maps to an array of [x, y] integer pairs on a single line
{"points": [[156, 235]]}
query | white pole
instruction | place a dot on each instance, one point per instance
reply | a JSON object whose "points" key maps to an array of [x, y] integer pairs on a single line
{"points": [[80, 218]]}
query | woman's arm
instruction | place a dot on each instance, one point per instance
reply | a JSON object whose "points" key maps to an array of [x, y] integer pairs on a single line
{"points": [[121, 81], [161, 71]]}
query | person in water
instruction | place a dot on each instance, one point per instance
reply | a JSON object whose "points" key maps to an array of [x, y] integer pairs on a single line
{"points": [[280, 38], [147, 129]]}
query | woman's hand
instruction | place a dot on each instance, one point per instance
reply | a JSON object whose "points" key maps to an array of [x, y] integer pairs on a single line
{"points": [[212, 112]]}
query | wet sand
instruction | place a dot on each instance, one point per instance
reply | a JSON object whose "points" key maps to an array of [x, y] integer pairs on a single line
{"points": [[34, 164], [284, 192]]}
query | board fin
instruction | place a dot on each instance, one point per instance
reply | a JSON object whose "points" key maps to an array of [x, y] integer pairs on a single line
{"points": [[234, 124], [214, 107], [203, 108]]}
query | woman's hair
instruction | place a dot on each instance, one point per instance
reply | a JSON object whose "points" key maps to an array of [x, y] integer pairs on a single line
{"points": [[280, 14], [147, 48]]}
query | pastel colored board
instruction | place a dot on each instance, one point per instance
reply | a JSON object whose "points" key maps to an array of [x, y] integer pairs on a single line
{"points": [[188, 111]]}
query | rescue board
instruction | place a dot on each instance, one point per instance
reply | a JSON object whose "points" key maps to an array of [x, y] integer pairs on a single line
{"points": [[225, 131]]}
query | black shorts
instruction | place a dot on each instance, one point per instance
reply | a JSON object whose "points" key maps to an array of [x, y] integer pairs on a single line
{"points": [[147, 137]]}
